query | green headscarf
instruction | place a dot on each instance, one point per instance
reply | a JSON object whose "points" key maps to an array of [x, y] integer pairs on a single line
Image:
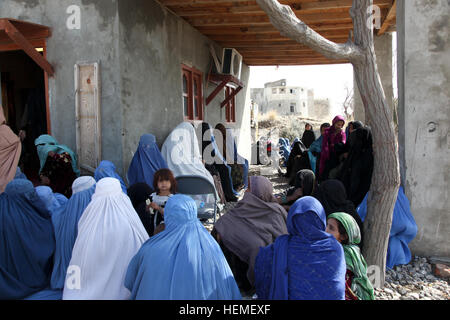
{"points": [[361, 285], [46, 143]]}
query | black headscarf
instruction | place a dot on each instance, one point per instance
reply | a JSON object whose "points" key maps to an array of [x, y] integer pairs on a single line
{"points": [[139, 193], [333, 197], [358, 167], [308, 136], [298, 149], [306, 180]]}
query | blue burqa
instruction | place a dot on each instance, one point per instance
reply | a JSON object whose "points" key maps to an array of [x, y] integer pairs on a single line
{"points": [[107, 169], [54, 202], [66, 231], [306, 264], [315, 147], [146, 161], [27, 241], [403, 230], [284, 148], [183, 262]]}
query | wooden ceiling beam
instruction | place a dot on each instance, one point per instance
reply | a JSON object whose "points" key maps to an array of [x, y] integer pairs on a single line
{"points": [[389, 18]]}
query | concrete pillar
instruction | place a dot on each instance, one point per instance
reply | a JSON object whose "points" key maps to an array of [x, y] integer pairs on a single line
{"points": [[383, 51], [424, 112]]}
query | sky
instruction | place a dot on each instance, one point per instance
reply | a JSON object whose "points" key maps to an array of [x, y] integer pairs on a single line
{"points": [[327, 81]]}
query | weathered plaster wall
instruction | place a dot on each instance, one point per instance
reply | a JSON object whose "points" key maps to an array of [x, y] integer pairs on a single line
{"points": [[140, 46], [154, 44], [95, 41], [424, 130]]}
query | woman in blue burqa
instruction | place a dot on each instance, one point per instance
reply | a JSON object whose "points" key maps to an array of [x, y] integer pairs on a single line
{"points": [[146, 161], [107, 169], [66, 227], [28, 242], [306, 264], [183, 262]]}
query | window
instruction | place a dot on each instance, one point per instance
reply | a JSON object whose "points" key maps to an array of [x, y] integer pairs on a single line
{"points": [[192, 93], [274, 90], [292, 91], [282, 90], [230, 107], [292, 107]]}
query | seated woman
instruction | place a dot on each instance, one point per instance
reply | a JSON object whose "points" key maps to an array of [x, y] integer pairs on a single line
{"points": [[256, 221], [403, 230], [239, 165], [332, 143], [183, 262], [305, 183], [66, 227], [28, 243], [146, 161], [298, 160], [345, 229], [139, 193], [109, 235], [213, 157], [333, 197], [58, 165], [54, 202], [107, 169], [306, 264], [182, 154]]}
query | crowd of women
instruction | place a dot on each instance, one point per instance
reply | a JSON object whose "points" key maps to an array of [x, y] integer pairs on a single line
{"points": [[83, 237]]}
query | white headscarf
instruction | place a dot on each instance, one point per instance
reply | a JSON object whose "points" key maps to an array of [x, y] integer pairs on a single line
{"points": [[82, 183], [110, 233], [182, 153]]}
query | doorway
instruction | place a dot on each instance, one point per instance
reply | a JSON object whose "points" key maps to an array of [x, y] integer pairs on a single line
{"points": [[23, 96]]}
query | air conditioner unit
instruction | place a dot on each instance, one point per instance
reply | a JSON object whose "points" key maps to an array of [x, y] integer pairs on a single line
{"points": [[231, 62]]}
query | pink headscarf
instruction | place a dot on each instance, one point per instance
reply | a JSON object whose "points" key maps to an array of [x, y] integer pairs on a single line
{"points": [[10, 148], [330, 139]]}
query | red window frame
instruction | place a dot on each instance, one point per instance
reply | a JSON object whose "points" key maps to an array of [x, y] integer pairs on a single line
{"points": [[193, 93], [230, 107]]}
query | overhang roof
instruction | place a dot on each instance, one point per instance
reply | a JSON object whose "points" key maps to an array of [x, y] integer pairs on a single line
{"points": [[243, 25], [26, 36]]}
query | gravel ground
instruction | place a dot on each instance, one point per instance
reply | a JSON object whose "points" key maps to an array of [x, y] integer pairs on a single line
{"points": [[414, 281]]}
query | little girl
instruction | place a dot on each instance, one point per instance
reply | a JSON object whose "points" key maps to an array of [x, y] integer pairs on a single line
{"points": [[165, 185], [346, 230]]}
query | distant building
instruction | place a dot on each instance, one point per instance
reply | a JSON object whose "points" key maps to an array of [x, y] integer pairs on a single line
{"points": [[285, 100], [321, 110]]}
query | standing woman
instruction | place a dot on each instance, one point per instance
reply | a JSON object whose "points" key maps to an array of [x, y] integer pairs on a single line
{"points": [[332, 139], [10, 149], [345, 229], [58, 165], [308, 136]]}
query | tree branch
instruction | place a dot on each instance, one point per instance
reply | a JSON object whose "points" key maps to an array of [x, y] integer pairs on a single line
{"points": [[285, 20]]}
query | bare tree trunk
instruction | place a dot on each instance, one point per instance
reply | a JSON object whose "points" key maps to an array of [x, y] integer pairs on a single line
{"points": [[361, 53]]}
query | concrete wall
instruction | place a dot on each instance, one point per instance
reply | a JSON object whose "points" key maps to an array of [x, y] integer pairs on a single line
{"points": [[383, 52], [96, 41], [140, 46], [424, 110]]}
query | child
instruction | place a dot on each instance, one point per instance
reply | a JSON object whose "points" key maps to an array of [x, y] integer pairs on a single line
{"points": [[165, 186], [345, 229]]}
